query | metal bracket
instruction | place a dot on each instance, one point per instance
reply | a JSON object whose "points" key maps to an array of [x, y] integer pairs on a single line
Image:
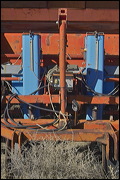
{"points": [[62, 15]]}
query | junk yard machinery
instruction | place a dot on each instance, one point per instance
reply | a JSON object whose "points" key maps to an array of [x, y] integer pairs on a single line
{"points": [[59, 77]]}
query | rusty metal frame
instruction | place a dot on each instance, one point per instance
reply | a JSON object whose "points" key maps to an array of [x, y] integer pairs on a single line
{"points": [[104, 131], [81, 99], [105, 135], [18, 19]]}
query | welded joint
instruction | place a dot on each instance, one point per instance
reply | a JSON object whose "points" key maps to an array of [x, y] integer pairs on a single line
{"points": [[62, 15]]}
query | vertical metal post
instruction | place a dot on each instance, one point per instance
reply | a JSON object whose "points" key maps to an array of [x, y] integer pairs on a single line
{"points": [[8, 159], [62, 65], [104, 161], [94, 44], [31, 70], [62, 24]]}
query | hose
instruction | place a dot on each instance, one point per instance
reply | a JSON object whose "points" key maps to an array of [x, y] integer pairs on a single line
{"points": [[96, 93], [19, 126]]}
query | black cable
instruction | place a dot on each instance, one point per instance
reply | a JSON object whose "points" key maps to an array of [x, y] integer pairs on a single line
{"points": [[96, 93], [19, 126], [101, 94], [38, 130], [35, 106], [5, 111], [28, 127], [38, 89], [9, 100]]}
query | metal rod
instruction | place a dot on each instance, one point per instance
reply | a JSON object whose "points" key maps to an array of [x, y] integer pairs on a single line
{"points": [[96, 56], [31, 55], [62, 64], [112, 79], [11, 78], [104, 161]]}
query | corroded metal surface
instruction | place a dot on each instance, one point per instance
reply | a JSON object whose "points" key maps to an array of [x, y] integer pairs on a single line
{"points": [[55, 51], [81, 99]]}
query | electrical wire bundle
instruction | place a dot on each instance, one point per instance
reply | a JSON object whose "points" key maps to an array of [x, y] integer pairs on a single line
{"points": [[31, 127], [112, 93], [37, 127], [50, 73]]}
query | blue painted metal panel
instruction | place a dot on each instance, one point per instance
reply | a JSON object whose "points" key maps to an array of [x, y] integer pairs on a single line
{"points": [[31, 71], [31, 67], [94, 44]]}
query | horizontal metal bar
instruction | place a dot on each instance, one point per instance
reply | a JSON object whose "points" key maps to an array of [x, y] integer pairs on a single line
{"points": [[11, 78], [50, 27], [81, 99], [79, 135], [29, 121], [35, 99], [7, 133], [102, 125], [29, 14], [10, 55], [112, 79]]}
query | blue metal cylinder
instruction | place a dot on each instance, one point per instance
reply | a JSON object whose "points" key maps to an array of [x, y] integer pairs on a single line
{"points": [[94, 44], [31, 63], [31, 68]]}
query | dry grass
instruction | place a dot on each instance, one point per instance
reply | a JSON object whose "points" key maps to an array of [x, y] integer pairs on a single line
{"points": [[57, 160]]}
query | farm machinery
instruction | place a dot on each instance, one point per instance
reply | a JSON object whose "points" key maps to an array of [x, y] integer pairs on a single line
{"points": [[60, 82]]}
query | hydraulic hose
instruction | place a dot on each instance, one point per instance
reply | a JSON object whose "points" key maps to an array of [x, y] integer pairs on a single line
{"points": [[31, 127]]}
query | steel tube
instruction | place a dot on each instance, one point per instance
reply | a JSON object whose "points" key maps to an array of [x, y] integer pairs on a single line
{"points": [[62, 64], [11, 78], [104, 162], [81, 99], [112, 79]]}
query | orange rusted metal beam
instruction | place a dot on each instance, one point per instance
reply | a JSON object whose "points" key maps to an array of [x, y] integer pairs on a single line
{"points": [[30, 14], [103, 125], [98, 124], [7, 133], [43, 20], [29, 121], [81, 99], [35, 99], [11, 79], [68, 135], [112, 79]]}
